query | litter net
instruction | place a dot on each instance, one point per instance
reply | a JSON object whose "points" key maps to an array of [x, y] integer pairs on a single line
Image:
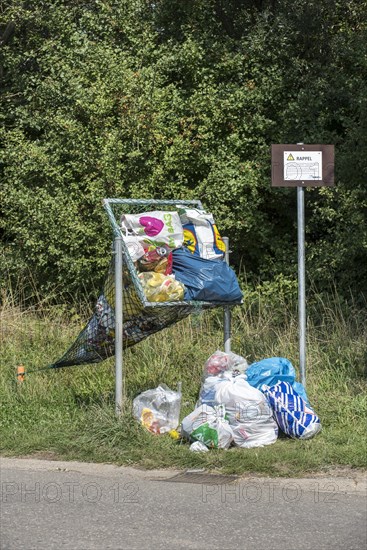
{"points": [[141, 318]]}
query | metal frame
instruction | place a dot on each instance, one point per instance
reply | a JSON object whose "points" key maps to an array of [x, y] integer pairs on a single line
{"points": [[122, 256]]}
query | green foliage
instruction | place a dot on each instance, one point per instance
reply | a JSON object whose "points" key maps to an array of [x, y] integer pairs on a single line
{"points": [[180, 100]]}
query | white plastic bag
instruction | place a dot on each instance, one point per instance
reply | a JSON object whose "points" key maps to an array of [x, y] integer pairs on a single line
{"points": [[208, 425], [214, 369], [134, 247], [249, 414], [201, 235], [208, 391], [157, 227], [158, 410]]}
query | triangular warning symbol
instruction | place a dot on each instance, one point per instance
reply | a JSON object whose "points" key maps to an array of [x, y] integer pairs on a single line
{"points": [[290, 157]]}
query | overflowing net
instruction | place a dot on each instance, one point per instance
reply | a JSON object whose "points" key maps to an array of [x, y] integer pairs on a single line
{"points": [[141, 318]]}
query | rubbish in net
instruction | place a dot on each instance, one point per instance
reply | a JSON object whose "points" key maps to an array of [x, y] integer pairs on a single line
{"points": [[96, 341], [141, 318]]}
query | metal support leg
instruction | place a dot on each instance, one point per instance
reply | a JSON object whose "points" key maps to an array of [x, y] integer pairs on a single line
{"points": [[227, 309], [301, 282], [118, 326]]}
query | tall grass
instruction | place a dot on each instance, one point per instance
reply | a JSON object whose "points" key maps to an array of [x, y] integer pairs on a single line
{"points": [[69, 412]]}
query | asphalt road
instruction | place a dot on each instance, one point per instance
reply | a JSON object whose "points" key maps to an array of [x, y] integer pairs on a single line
{"points": [[71, 505]]}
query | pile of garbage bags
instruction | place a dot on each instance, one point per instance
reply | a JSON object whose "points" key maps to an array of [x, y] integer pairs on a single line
{"points": [[239, 405], [179, 256]]}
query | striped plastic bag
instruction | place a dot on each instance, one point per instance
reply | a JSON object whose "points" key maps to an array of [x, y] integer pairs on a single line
{"points": [[294, 417]]}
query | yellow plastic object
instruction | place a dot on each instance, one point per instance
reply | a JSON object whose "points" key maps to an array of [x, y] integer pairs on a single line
{"points": [[161, 288], [161, 266], [174, 434]]}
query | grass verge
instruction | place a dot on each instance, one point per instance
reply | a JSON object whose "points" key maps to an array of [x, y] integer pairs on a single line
{"points": [[69, 413]]}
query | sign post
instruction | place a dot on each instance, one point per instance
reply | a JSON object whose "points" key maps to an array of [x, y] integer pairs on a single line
{"points": [[118, 326], [300, 166], [301, 282], [227, 309]]}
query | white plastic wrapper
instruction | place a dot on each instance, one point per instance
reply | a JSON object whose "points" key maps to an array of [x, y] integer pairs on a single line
{"points": [[134, 247], [198, 447]]}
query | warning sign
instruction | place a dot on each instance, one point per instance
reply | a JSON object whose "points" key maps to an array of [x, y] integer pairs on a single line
{"points": [[303, 165], [300, 164]]}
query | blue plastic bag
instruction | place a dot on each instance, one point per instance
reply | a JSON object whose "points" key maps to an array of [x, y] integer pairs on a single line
{"points": [[294, 417], [273, 370], [206, 280]]}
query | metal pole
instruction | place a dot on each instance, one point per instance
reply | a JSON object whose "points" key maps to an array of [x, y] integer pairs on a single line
{"points": [[227, 309], [301, 282], [118, 326]]}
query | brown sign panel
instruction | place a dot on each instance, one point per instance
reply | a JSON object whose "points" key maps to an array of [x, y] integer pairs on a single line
{"points": [[295, 165]]}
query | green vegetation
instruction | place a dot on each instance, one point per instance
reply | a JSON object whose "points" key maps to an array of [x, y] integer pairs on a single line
{"points": [[70, 413], [180, 99]]}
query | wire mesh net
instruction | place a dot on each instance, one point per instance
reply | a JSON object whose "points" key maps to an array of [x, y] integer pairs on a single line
{"points": [[141, 318]]}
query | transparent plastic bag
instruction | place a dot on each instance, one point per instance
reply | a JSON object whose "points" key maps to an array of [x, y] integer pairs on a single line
{"points": [[215, 367], [220, 362], [158, 410], [161, 288]]}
